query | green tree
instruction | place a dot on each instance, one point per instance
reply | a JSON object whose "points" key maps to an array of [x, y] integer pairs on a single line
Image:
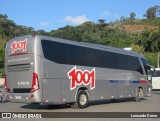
{"points": [[137, 48], [152, 12], [132, 15], [41, 32], [2, 51], [101, 21], [152, 58], [122, 19]]}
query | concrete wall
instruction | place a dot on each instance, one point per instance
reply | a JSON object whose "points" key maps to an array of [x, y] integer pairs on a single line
{"points": [[1, 81]]}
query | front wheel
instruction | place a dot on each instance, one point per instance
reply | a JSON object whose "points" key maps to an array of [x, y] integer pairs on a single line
{"points": [[139, 95], [82, 100]]}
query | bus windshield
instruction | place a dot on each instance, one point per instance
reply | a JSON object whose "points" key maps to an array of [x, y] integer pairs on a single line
{"points": [[149, 70]]}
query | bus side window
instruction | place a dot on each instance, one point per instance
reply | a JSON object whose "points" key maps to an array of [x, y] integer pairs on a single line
{"points": [[148, 69]]}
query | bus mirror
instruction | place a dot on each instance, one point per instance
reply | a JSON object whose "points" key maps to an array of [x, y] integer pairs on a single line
{"points": [[154, 72], [149, 75], [150, 78], [151, 69]]}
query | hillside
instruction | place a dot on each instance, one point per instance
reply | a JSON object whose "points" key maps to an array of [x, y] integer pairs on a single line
{"points": [[134, 28], [117, 34], [139, 28]]}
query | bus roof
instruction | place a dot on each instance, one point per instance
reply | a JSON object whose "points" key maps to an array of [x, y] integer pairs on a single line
{"points": [[85, 44]]}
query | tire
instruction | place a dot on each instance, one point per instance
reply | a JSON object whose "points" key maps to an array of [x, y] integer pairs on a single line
{"points": [[82, 100], [139, 95]]}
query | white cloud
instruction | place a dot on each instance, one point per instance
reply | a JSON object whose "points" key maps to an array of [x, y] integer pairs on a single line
{"points": [[108, 14], [76, 20], [44, 23]]}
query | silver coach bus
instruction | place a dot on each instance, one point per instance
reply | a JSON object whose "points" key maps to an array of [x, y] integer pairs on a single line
{"points": [[48, 70]]}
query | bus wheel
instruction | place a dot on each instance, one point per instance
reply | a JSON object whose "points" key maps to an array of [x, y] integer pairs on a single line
{"points": [[139, 95], [82, 100]]}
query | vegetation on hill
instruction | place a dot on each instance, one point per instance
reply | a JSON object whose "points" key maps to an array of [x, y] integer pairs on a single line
{"points": [[143, 35]]}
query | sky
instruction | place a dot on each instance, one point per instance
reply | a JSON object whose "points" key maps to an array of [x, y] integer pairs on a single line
{"points": [[53, 14]]}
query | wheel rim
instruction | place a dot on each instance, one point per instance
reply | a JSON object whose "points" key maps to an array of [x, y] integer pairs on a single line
{"points": [[140, 93], [83, 99], [139, 96]]}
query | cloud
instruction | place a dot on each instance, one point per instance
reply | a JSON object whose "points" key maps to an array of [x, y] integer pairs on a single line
{"points": [[77, 20], [108, 14], [44, 23]]}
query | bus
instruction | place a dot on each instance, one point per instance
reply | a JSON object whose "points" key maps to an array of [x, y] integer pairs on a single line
{"points": [[156, 80], [52, 71]]}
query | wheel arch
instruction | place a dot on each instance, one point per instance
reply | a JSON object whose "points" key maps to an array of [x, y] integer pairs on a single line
{"points": [[140, 87], [82, 88]]}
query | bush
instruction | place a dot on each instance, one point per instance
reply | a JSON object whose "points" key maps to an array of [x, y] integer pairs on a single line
{"points": [[152, 58], [2, 73]]}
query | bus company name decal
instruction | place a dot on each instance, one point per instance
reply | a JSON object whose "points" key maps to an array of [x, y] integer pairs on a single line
{"points": [[78, 77], [21, 45]]}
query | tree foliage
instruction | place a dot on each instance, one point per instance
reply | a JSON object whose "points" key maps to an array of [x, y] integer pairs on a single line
{"points": [[152, 12], [132, 16]]}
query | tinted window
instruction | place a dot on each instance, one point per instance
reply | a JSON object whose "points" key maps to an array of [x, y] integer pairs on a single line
{"points": [[77, 55], [120, 61], [85, 56], [54, 51], [96, 58]]}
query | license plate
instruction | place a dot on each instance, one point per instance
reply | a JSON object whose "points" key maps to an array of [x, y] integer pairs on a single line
{"points": [[18, 97]]}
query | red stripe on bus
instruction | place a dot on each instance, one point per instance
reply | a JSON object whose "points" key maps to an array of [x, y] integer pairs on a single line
{"points": [[143, 81], [18, 54]]}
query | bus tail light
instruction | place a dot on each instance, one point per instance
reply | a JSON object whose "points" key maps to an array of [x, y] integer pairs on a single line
{"points": [[35, 83], [5, 83], [143, 81]]}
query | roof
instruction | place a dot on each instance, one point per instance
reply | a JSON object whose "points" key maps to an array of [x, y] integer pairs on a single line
{"points": [[89, 45]]}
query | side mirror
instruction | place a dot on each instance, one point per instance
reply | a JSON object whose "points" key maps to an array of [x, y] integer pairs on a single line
{"points": [[149, 76], [154, 71], [151, 69]]}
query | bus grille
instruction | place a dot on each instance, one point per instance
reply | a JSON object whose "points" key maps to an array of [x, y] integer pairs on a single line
{"points": [[19, 67], [19, 90]]}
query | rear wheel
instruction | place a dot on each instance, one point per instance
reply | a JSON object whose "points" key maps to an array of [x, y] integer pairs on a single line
{"points": [[82, 100], [139, 95]]}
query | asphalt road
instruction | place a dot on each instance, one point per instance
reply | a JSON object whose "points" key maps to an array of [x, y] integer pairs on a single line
{"points": [[148, 104]]}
